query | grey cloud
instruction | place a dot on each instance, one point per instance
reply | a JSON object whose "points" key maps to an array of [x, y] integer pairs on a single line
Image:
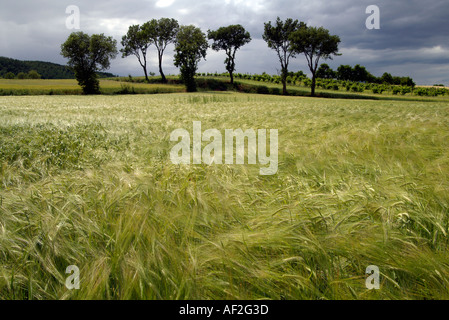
{"points": [[413, 39]]}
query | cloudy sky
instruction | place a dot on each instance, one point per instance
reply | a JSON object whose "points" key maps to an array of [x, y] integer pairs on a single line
{"points": [[413, 39]]}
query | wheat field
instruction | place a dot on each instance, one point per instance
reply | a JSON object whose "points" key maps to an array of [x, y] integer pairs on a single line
{"points": [[87, 181]]}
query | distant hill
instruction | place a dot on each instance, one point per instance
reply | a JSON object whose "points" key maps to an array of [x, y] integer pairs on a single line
{"points": [[47, 70]]}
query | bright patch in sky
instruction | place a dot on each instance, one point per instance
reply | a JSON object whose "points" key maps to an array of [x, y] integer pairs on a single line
{"points": [[115, 25], [164, 3], [255, 5]]}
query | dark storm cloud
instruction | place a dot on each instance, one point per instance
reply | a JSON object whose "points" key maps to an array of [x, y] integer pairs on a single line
{"points": [[413, 39]]}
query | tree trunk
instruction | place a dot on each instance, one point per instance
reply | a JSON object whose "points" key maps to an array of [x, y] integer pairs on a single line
{"points": [[230, 66], [164, 79], [144, 66], [284, 80], [146, 74], [313, 85]]}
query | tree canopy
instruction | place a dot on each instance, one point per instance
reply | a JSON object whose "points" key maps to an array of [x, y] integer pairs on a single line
{"points": [[88, 54], [315, 43], [278, 38], [136, 42], [161, 32], [190, 47], [229, 39], [325, 72]]}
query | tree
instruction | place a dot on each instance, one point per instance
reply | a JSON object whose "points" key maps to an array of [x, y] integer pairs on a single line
{"points": [[136, 42], [9, 75], [230, 39], [344, 72], [87, 55], [325, 72], [161, 32], [360, 74], [32, 74], [22, 75], [371, 78], [316, 44], [386, 78], [407, 81], [278, 38], [190, 46], [357, 74]]}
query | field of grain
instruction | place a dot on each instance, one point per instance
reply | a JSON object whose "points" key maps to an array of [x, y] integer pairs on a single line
{"points": [[87, 181], [70, 87]]}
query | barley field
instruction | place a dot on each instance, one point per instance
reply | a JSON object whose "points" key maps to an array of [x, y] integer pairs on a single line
{"points": [[24, 87], [87, 181]]}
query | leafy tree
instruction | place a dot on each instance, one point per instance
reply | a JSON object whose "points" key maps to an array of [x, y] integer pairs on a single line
{"points": [[190, 46], [278, 38], [9, 75], [161, 32], [34, 75], [344, 72], [360, 74], [316, 44], [407, 81], [22, 75], [396, 80], [386, 78], [87, 55], [230, 39], [371, 78], [325, 72], [136, 42]]}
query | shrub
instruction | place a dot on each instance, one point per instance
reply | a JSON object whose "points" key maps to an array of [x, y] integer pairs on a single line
{"points": [[211, 84], [357, 88], [405, 90], [421, 92], [307, 82], [262, 90], [22, 75], [378, 89], [275, 91], [33, 74], [126, 89], [396, 90], [9, 75]]}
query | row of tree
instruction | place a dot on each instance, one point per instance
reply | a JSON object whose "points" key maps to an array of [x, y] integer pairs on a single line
{"points": [[359, 73], [89, 54], [12, 68], [190, 42], [32, 74], [300, 79]]}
